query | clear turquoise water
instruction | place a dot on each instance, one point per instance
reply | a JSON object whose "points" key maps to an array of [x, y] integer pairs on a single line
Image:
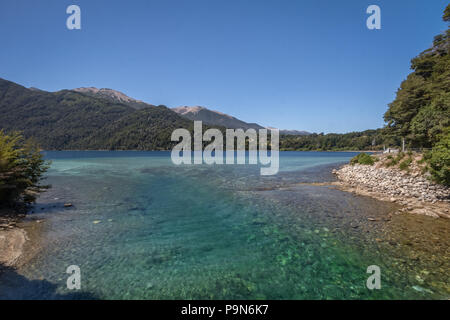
{"points": [[142, 228]]}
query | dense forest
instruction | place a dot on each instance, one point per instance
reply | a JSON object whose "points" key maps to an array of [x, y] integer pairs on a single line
{"points": [[68, 120], [365, 140]]}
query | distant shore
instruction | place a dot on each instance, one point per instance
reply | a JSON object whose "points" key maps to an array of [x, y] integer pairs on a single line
{"points": [[169, 150]]}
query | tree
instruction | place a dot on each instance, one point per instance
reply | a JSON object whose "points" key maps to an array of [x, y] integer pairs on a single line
{"points": [[420, 111], [440, 160], [21, 169], [446, 16]]}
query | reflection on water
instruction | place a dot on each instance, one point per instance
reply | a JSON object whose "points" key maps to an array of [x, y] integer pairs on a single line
{"points": [[142, 228]]}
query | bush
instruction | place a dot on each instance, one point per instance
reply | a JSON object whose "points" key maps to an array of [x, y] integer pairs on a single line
{"points": [[391, 163], [425, 169], [400, 156], [422, 160], [404, 165], [362, 158], [395, 160], [21, 170], [439, 161]]}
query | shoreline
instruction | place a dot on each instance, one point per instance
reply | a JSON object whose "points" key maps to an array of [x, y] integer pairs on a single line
{"points": [[415, 194], [12, 237], [170, 150], [18, 238]]}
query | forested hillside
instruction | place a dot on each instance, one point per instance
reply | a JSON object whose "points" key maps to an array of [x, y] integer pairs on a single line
{"points": [[71, 120], [365, 140]]}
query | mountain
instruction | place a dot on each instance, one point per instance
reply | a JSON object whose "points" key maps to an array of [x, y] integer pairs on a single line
{"points": [[214, 118], [295, 132], [93, 119], [113, 96], [73, 120]]}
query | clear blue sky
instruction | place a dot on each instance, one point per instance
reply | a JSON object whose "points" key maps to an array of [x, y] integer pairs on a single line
{"points": [[304, 64]]}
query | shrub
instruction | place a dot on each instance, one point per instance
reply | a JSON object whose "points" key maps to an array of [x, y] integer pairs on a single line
{"points": [[392, 162], [425, 169], [21, 169], [395, 160], [439, 161], [422, 160], [404, 165], [399, 157], [362, 158]]}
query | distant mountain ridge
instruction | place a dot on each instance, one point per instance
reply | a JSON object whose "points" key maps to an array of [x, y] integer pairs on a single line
{"points": [[217, 118], [214, 118], [295, 132], [114, 96], [72, 120], [99, 119]]}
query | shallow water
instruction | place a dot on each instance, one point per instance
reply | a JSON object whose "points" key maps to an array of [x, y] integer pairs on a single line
{"points": [[142, 228]]}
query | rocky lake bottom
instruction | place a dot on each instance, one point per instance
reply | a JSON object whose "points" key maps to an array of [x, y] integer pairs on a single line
{"points": [[142, 228]]}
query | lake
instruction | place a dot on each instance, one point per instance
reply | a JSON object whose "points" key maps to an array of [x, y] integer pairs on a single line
{"points": [[143, 228]]}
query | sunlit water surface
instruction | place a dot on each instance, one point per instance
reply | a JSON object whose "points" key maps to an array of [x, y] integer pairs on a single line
{"points": [[143, 228]]}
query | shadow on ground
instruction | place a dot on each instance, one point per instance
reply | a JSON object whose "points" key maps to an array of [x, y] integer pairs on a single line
{"points": [[14, 286]]}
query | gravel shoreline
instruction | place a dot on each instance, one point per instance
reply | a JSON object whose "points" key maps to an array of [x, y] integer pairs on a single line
{"points": [[12, 237], [413, 191], [18, 238]]}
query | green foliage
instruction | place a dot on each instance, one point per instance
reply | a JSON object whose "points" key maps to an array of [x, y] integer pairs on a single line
{"points": [[440, 160], [68, 120], [21, 170], [421, 109], [395, 160], [391, 163], [366, 140], [422, 160], [362, 158], [446, 16], [400, 156], [404, 165]]}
